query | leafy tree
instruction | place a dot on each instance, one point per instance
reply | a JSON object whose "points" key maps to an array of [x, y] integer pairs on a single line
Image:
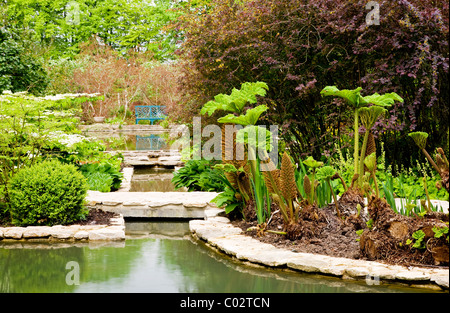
{"points": [[122, 24], [18, 70]]}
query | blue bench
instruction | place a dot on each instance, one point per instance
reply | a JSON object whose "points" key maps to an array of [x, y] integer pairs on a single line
{"points": [[149, 113]]}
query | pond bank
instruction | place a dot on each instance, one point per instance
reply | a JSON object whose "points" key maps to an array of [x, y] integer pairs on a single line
{"points": [[219, 233], [114, 231]]}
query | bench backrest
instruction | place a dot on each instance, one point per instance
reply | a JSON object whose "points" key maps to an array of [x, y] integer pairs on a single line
{"points": [[149, 112]]}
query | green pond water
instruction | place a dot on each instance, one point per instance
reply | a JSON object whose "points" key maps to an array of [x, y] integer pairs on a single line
{"points": [[147, 179], [156, 257], [125, 141]]}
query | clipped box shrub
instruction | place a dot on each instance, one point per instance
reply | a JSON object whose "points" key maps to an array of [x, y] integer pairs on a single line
{"points": [[47, 193]]}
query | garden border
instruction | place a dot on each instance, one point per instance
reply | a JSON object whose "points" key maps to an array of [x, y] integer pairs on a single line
{"points": [[115, 231], [218, 232]]}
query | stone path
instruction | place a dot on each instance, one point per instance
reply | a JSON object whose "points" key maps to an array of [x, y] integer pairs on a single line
{"points": [[220, 233], [153, 204]]}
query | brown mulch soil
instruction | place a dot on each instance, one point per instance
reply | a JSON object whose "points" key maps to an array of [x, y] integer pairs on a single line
{"points": [[97, 217], [328, 236], [320, 231]]}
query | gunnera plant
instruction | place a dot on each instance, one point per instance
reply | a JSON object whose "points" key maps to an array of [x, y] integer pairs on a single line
{"points": [[328, 173], [441, 164], [47, 193]]}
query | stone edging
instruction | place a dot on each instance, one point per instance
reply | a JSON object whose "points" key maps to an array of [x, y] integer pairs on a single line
{"points": [[125, 185], [220, 233], [116, 231]]}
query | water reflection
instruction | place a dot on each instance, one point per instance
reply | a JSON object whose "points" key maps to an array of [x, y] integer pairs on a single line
{"points": [[134, 141], [153, 179], [206, 271], [152, 142], [156, 257], [36, 270]]}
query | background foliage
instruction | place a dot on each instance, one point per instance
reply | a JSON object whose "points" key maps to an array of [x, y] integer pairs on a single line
{"points": [[62, 25], [299, 47], [18, 70]]}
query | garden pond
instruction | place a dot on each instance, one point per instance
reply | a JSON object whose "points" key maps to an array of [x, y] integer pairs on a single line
{"points": [[153, 179], [155, 257], [137, 141]]}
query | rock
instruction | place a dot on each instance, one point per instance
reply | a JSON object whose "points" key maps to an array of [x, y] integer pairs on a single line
{"points": [[198, 205], [337, 266], [269, 258], [81, 235], [133, 203], [175, 158], [13, 232], [213, 230], [219, 219], [111, 203], [308, 263], [383, 272], [412, 275], [357, 272], [63, 232], [108, 233], [117, 221], [441, 280], [37, 232], [163, 204]]}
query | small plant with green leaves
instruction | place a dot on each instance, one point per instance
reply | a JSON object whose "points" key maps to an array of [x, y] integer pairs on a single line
{"points": [[199, 175], [441, 165], [419, 237], [104, 176], [327, 173], [371, 163], [359, 233], [368, 118], [310, 185], [440, 232], [367, 115]]}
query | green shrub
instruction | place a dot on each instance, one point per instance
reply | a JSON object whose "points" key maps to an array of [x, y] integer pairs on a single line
{"points": [[47, 193], [99, 181], [18, 70], [199, 175], [104, 176]]}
